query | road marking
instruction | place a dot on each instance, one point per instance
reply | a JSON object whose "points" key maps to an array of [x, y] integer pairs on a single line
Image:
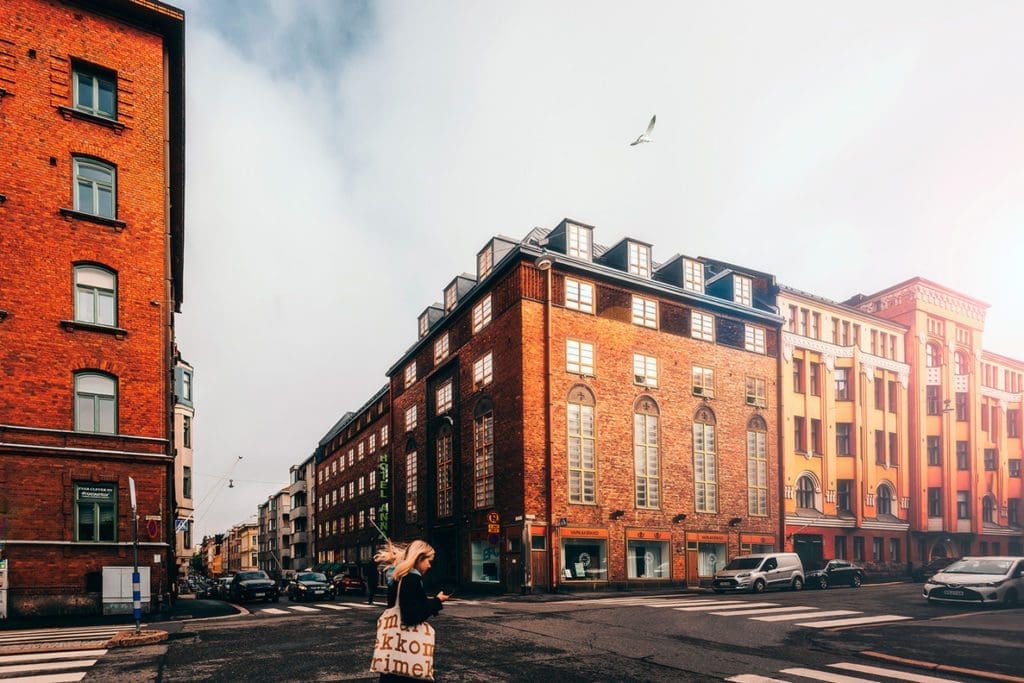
{"points": [[855, 621], [328, 605], [46, 666], [825, 676], [48, 678], [879, 671], [808, 615], [739, 612], [35, 657], [753, 678], [273, 610], [360, 605], [693, 602], [93, 633], [715, 605], [302, 608]]}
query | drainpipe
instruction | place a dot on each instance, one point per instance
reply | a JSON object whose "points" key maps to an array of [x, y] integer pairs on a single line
{"points": [[544, 263]]}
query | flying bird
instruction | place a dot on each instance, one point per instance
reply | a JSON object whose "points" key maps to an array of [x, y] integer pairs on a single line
{"points": [[646, 137]]}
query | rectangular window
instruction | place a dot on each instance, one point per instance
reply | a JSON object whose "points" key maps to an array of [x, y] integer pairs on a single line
{"points": [[934, 444], [858, 548], [410, 374], [754, 339], [894, 452], [441, 348], [645, 460], [645, 312], [844, 438], [95, 512], [582, 461], [483, 461], [815, 378], [757, 473], [1013, 423], [842, 379], [482, 314], [816, 442], [799, 441], [411, 487], [703, 381], [1013, 513], [186, 481], [410, 423], [880, 447], [585, 559], [876, 549], [362, 485], [1014, 467], [484, 263], [483, 370], [95, 403], [579, 295], [384, 435], [798, 375], [645, 370], [186, 431], [424, 325], [844, 496], [705, 471], [984, 418], [991, 456], [577, 242], [756, 392], [450, 298], [95, 92], [579, 357], [962, 456], [361, 449], [445, 487], [693, 275], [444, 398], [95, 187], [486, 562], [935, 501], [932, 399], [372, 445], [96, 299], [648, 560], [743, 290], [702, 326], [840, 547], [879, 394], [962, 410], [963, 510], [639, 259]]}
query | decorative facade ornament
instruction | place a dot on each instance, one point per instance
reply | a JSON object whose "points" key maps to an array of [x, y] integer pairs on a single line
{"points": [[830, 496], [904, 377], [922, 338], [869, 500], [905, 502], [869, 371], [830, 361], [789, 493], [787, 350]]}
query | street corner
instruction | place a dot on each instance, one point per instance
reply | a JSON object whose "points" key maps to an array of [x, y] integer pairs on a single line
{"points": [[130, 638]]}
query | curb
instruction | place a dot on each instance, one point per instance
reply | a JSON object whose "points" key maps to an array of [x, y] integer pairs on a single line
{"points": [[133, 639], [932, 666]]}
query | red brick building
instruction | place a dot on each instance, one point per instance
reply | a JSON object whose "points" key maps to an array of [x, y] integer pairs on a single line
{"points": [[574, 415], [91, 229]]}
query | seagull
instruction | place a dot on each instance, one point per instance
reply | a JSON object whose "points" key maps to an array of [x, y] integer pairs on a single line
{"points": [[646, 137]]}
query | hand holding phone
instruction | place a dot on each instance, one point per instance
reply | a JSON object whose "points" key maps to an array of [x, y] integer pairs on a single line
{"points": [[443, 597]]}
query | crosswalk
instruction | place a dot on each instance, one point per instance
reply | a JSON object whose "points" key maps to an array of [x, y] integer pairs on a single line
{"points": [[325, 607], [876, 674], [59, 635], [48, 666], [804, 616]]}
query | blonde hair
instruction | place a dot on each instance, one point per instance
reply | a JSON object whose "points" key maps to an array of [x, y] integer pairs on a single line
{"points": [[416, 551], [391, 554]]}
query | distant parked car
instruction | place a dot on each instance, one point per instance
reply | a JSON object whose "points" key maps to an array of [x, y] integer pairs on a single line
{"points": [[221, 588], [834, 573], [310, 586], [984, 580], [925, 571], [253, 585], [349, 581]]}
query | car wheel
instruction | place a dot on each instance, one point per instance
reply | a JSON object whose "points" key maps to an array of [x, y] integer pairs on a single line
{"points": [[1010, 599], [856, 581], [823, 583], [758, 586], [798, 584]]}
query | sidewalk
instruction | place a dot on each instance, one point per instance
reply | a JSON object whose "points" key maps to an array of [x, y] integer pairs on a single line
{"points": [[185, 607]]}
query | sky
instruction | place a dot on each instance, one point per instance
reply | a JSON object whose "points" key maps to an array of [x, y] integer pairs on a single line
{"points": [[345, 160]]}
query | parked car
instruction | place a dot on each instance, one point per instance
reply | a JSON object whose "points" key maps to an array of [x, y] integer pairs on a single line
{"points": [[349, 581], [253, 585], [834, 573], [310, 586], [925, 571], [221, 588], [757, 572], [984, 580]]}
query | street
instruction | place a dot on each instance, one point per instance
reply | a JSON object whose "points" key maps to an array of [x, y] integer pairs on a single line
{"points": [[684, 636]]}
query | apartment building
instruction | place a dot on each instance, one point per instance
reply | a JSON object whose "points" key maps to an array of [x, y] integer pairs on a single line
{"points": [[184, 414], [92, 220], [274, 518], [242, 548], [303, 543]]}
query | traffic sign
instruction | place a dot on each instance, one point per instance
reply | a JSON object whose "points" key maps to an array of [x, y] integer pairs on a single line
{"points": [[494, 528], [180, 525]]}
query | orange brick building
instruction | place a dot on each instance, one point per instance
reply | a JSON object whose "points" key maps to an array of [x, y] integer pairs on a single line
{"points": [[91, 228]]}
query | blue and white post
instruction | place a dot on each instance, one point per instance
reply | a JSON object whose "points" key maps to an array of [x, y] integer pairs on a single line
{"points": [[136, 581]]}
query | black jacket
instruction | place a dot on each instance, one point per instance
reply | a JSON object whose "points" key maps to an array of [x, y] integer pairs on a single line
{"points": [[416, 607]]}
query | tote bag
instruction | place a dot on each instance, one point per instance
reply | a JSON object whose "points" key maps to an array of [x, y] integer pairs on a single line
{"points": [[403, 650]]}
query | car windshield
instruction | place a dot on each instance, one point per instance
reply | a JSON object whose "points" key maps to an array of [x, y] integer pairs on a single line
{"points": [[311, 576], [980, 566], [744, 563], [248, 576]]}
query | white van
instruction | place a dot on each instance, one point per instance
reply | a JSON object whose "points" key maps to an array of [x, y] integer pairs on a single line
{"points": [[757, 572]]}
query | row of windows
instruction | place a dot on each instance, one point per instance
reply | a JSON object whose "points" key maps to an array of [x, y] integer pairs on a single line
{"points": [[808, 496], [807, 323], [346, 523], [481, 315], [963, 508], [365, 447], [840, 551], [343, 493]]}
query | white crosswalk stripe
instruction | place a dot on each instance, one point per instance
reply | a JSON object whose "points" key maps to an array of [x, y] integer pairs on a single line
{"points": [[722, 603], [743, 612], [273, 610], [877, 673], [809, 614], [64, 666], [328, 605], [825, 676], [754, 678], [854, 621], [880, 671], [302, 608], [98, 633]]}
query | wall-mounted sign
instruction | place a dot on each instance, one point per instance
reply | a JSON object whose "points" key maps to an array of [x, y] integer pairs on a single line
{"points": [[566, 532]]}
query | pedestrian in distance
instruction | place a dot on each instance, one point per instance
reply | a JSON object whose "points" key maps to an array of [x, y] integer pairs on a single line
{"points": [[371, 582]]}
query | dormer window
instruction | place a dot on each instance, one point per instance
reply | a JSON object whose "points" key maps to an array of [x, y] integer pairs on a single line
{"points": [[693, 275], [424, 325], [639, 259], [577, 241], [742, 290], [450, 298], [484, 263]]}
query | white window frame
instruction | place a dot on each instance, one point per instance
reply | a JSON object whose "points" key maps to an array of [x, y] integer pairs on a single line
{"points": [[411, 419], [645, 312], [483, 460], [703, 381], [94, 187], [444, 398], [705, 468], [753, 339], [579, 357], [94, 286], [95, 394], [743, 290], [384, 435], [582, 453], [96, 78], [424, 325], [702, 326], [482, 314], [756, 392], [639, 259], [483, 370], [645, 370], [484, 262], [757, 473], [441, 348], [647, 463], [450, 298], [693, 275], [579, 295], [410, 374], [577, 242]]}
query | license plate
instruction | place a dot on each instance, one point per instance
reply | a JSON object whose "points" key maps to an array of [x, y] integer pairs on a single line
{"points": [[259, 595], [954, 593]]}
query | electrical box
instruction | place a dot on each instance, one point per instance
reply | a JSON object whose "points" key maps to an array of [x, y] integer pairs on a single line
{"points": [[117, 589]]}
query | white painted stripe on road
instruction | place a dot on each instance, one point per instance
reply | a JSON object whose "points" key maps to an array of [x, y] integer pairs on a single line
{"points": [[40, 656], [58, 638], [48, 678], [807, 615], [826, 676], [302, 608], [738, 612], [46, 666], [711, 601], [361, 605], [714, 604], [61, 632], [677, 603], [273, 610], [328, 605], [754, 678], [880, 671], [856, 621]]}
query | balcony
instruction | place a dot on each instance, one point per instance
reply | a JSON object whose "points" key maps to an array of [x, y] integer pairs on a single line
{"points": [[297, 487], [300, 538], [300, 511]]}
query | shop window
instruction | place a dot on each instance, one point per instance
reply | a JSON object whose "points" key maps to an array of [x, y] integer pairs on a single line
{"points": [[95, 512], [648, 560], [585, 559], [486, 562]]}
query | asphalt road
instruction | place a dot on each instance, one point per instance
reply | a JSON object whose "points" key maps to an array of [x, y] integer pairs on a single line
{"points": [[688, 636]]}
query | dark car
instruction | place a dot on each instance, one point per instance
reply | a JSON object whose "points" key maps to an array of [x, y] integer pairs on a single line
{"points": [[253, 585], [221, 588], [923, 572], [310, 586], [349, 581], [834, 573]]}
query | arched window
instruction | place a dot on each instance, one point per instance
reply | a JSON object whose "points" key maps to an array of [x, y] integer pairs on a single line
{"points": [[805, 493], [932, 355], [705, 467], [582, 446], [483, 454], [95, 403], [95, 187], [757, 466], [883, 499], [961, 363], [988, 508], [645, 453], [95, 295], [445, 490]]}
